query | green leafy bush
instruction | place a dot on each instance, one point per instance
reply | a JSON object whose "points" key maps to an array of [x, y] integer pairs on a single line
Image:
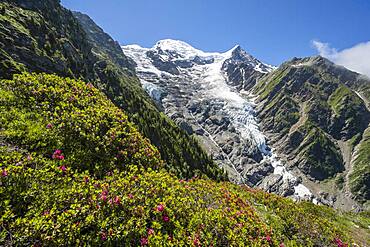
{"points": [[44, 113], [47, 202]]}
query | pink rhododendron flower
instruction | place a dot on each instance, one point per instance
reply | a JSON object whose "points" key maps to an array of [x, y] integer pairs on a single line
{"points": [[46, 212], [160, 207], [103, 236], [49, 126], [143, 241], [165, 218], [63, 168], [103, 198], [117, 200], [4, 173], [150, 231], [340, 243], [196, 242], [282, 245], [57, 155], [268, 238], [131, 196], [104, 195]]}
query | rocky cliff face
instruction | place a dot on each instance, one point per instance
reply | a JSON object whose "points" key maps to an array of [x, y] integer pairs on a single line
{"points": [[243, 70], [205, 93]]}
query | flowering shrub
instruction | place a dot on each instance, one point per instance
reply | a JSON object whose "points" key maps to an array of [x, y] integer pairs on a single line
{"points": [[138, 207], [67, 119], [58, 155], [89, 178]]}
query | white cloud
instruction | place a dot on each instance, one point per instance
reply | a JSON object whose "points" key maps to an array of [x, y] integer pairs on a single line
{"points": [[356, 58]]}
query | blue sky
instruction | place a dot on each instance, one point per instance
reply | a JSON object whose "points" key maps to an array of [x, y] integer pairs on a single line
{"points": [[271, 30]]}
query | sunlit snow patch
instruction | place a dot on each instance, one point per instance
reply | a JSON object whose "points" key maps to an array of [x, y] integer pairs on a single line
{"points": [[153, 90]]}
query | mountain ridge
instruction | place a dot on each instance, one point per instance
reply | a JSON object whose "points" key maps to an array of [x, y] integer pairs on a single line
{"points": [[316, 95]]}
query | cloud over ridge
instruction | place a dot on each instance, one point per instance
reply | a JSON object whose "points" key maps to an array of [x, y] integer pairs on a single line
{"points": [[356, 58]]}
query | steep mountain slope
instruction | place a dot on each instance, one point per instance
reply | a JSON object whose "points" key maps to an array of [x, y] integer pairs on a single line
{"points": [[194, 89], [318, 114], [103, 45], [75, 172], [42, 36]]}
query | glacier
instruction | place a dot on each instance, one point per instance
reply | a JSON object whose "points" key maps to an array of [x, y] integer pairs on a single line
{"points": [[200, 78]]}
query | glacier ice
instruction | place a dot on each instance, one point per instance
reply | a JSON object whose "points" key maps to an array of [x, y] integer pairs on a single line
{"points": [[210, 82]]}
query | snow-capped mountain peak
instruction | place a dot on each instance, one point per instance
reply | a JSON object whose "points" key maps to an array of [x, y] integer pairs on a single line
{"points": [[182, 53], [240, 56], [184, 49]]}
